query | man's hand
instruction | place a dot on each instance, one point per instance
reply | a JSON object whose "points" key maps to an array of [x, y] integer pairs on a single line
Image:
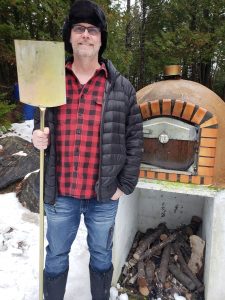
{"points": [[117, 194], [41, 138]]}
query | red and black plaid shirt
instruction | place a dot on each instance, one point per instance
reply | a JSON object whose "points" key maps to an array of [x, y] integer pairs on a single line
{"points": [[77, 136]]}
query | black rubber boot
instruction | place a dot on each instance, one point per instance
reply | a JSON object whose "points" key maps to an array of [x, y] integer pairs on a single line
{"points": [[100, 284], [54, 288]]}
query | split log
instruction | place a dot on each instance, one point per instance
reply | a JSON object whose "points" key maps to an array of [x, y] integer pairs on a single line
{"points": [[185, 267], [153, 250], [146, 242], [141, 279], [197, 245], [164, 263], [180, 276]]}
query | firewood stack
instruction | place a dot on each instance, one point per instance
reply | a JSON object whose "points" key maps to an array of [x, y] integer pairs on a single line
{"points": [[163, 262]]}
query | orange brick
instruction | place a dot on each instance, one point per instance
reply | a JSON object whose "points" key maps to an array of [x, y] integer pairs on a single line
{"points": [[205, 171], [166, 107], [189, 108], [208, 180], [172, 177], [178, 106], [145, 110], [210, 122], [199, 115], [184, 178], [195, 179], [142, 174], [206, 161], [207, 142], [155, 108], [150, 174], [208, 152], [209, 132], [161, 176]]}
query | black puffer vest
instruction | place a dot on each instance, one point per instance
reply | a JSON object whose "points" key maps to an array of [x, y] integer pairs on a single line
{"points": [[121, 141]]}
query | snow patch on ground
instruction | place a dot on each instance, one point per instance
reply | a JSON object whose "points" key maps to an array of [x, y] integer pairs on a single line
{"points": [[23, 130], [19, 252]]}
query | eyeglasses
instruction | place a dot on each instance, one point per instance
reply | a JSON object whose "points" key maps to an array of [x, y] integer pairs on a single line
{"points": [[81, 29]]}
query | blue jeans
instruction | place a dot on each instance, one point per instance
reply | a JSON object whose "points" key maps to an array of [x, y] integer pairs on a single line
{"points": [[63, 221]]}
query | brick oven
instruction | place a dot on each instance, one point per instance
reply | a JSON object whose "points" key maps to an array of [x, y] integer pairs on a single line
{"points": [[182, 172], [183, 132]]}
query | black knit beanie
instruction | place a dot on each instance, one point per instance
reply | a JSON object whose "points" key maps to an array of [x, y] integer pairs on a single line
{"points": [[85, 11]]}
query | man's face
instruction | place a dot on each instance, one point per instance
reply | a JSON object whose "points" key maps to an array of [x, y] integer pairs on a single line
{"points": [[85, 43]]}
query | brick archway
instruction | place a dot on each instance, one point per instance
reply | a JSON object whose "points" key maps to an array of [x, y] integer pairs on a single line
{"points": [[208, 125]]}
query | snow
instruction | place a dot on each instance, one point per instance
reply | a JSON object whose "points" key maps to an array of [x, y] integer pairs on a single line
{"points": [[113, 293], [19, 251], [177, 297], [123, 297], [20, 153], [23, 130]]}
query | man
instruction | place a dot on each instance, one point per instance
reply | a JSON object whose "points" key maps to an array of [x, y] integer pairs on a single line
{"points": [[93, 148]]}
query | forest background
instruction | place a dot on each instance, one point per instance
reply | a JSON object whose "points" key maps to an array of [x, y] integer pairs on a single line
{"points": [[144, 36]]}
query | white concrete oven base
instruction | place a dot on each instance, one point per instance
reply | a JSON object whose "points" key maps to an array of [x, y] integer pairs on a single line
{"points": [[174, 203]]}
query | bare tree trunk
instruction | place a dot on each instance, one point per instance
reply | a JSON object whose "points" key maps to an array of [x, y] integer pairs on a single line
{"points": [[201, 72], [128, 37], [142, 44], [223, 95], [194, 73], [128, 28]]}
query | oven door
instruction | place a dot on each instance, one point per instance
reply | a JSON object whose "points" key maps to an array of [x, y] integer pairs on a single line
{"points": [[170, 144]]}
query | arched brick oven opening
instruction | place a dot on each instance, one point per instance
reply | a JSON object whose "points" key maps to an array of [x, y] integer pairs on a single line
{"points": [[200, 117]]}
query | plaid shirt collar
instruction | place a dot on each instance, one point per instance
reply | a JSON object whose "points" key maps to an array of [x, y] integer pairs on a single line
{"points": [[102, 68]]}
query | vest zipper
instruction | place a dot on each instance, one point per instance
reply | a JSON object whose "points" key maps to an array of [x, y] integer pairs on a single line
{"points": [[98, 183]]}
